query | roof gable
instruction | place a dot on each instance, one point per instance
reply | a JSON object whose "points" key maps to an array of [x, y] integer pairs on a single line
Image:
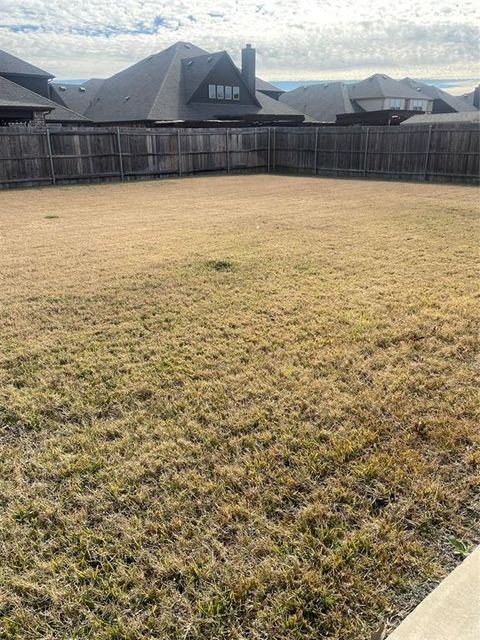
{"points": [[196, 69], [217, 67], [11, 65]]}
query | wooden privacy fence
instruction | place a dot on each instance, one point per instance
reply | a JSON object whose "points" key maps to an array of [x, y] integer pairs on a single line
{"points": [[418, 152], [30, 157]]}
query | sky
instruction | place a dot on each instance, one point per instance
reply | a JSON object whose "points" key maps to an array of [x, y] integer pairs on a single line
{"points": [[296, 40]]}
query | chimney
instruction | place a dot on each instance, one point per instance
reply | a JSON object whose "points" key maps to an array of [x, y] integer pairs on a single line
{"points": [[476, 97], [248, 67]]}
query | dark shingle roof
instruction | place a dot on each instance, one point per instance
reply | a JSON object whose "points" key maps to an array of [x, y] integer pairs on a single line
{"points": [[132, 94], [468, 97], [263, 85], [320, 101], [11, 65], [160, 86], [434, 93], [76, 97], [381, 86], [14, 95], [270, 106]]}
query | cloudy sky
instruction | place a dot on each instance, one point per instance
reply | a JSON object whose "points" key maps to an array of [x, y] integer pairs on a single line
{"points": [[295, 39]]}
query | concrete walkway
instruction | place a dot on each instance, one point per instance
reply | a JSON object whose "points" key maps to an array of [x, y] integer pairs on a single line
{"points": [[451, 611]]}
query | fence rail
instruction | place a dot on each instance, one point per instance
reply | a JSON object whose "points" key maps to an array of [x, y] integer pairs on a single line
{"points": [[29, 157]]}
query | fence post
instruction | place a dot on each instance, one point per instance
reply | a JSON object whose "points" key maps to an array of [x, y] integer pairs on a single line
{"points": [[274, 151], [50, 157], [227, 150], [365, 154], [179, 153], [316, 152], [268, 149], [120, 156], [427, 153]]}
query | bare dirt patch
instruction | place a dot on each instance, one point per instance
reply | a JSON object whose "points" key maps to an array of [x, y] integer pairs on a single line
{"points": [[234, 407]]}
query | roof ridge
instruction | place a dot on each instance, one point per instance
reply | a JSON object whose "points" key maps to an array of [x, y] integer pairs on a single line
{"points": [[167, 72]]}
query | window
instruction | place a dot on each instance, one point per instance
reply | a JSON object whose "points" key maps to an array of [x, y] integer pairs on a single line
{"points": [[228, 93], [212, 91], [220, 94], [236, 93], [395, 103], [417, 105]]}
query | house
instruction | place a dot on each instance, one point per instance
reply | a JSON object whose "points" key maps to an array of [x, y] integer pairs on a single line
{"points": [[382, 92], [182, 84], [20, 105], [24, 96], [443, 102], [378, 99]]}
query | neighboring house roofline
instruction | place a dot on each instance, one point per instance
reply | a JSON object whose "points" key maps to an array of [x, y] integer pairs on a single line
{"points": [[159, 88], [14, 66], [24, 98]]}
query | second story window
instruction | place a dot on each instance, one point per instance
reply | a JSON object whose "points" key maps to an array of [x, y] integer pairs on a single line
{"points": [[220, 92], [236, 93], [228, 93], [417, 105], [395, 103], [212, 91]]}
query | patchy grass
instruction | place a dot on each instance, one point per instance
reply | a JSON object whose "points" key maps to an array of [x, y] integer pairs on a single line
{"points": [[220, 265], [279, 450]]}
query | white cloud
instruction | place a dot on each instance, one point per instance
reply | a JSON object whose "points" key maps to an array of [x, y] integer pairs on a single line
{"points": [[295, 39]]}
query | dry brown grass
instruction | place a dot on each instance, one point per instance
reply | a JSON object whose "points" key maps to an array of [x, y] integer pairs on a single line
{"points": [[234, 407]]}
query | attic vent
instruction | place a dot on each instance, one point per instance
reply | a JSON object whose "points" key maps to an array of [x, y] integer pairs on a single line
{"points": [[187, 46], [126, 98], [82, 89], [62, 88], [384, 77], [189, 63], [210, 58], [418, 88]]}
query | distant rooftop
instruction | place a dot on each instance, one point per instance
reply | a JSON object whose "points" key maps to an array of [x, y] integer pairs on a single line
{"points": [[11, 65]]}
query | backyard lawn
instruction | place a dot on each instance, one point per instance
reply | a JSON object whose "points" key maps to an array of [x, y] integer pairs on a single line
{"points": [[239, 408]]}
